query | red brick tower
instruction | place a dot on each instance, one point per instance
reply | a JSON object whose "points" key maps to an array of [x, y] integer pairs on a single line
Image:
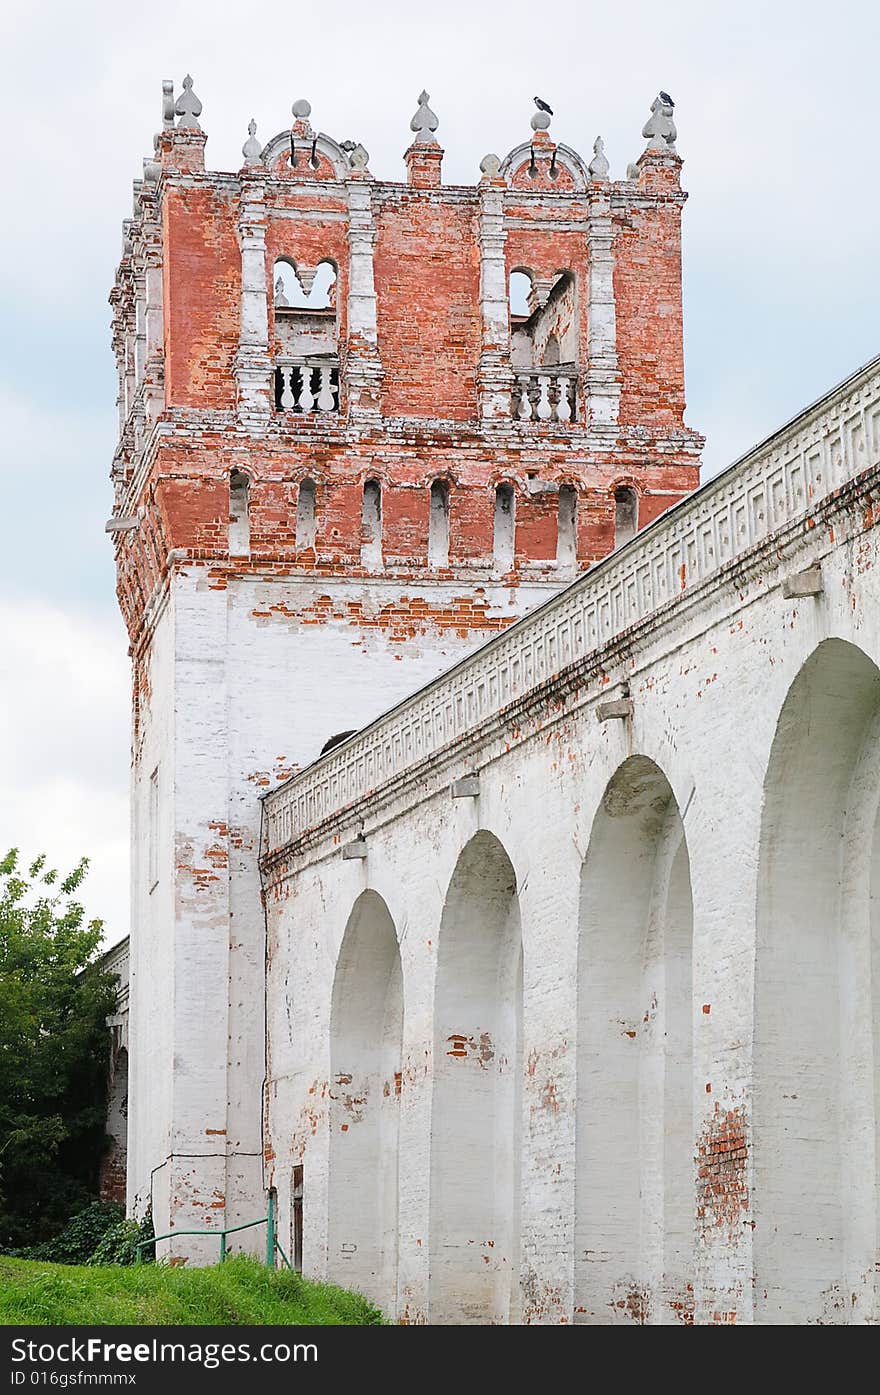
{"points": [[342, 463]]}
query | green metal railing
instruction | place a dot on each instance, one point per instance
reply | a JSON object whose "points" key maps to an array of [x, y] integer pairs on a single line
{"points": [[272, 1244]]}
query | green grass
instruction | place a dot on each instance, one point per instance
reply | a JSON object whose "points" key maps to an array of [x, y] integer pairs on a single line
{"points": [[240, 1292]]}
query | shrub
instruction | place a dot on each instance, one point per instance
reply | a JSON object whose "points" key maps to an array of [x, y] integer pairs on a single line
{"points": [[119, 1243], [81, 1236]]}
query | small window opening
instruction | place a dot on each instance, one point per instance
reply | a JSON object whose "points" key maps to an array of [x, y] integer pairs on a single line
{"points": [[566, 527], [296, 1218], [239, 515], [371, 535], [306, 337], [626, 514], [305, 516], [438, 526], [153, 832], [505, 526]]}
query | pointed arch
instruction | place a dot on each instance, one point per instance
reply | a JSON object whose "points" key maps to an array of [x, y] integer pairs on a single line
{"points": [[477, 1093], [366, 1032], [634, 1177], [817, 998]]}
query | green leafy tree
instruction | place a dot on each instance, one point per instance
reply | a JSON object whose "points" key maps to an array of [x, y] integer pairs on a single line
{"points": [[54, 1045]]}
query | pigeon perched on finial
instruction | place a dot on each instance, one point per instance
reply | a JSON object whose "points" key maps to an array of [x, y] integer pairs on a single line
{"points": [[659, 129], [542, 106]]}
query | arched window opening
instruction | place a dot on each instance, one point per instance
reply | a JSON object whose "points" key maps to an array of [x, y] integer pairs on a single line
{"points": [[438, 525], [305, 516], [477, 1104], [301, 287], [566, 527], [634, 1142], [371, 527], [519, 293], [626, 514], [504, 533], [307, 335], [366, 1030], [239, 515], [544, 348]]}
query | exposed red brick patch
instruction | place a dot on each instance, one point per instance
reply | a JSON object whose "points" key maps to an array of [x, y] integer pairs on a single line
{"points": [[722, 1181]]}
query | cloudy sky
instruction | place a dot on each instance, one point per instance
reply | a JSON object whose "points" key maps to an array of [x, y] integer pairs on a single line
{"points": [[777, 118]]}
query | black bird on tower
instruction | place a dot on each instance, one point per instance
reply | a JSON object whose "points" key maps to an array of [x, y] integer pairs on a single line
{"points": [[665, 97], [542, 106]]}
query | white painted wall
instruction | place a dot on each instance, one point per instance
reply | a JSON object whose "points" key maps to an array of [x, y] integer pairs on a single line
{"points": [[708, 683], [151, 986], [245, 685]]}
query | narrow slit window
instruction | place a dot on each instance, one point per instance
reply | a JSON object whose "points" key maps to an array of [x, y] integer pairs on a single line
{"points": [[566, 527], [371, 535], [239, 515], [438, 527], [505, 524], [305, 516], [626, 514], [153, 832]]}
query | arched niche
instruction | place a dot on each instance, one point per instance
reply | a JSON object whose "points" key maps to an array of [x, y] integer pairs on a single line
{"points": [[477, 1094], [634, 1175], [366, 1027], [817, 991]]}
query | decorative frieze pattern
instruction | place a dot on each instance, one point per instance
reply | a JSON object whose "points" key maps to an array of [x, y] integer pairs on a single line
{"points": [[780, 482]]}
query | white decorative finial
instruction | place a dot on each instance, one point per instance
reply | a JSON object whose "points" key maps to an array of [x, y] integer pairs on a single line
{"points": [[599, 166], [490, 166], [188, 107], [251, 149], [167, 103], [424, 123], [659, 129], [302, 109], [281, 300]]}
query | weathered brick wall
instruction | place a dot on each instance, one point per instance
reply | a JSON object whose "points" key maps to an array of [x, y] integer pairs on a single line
{"points": [[647, 289], [202, 278], [427, 268]]}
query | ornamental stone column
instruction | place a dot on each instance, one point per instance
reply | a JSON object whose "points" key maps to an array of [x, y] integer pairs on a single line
{"points": [[363, 369], [495, 379], [253, 367], [602, 380]]}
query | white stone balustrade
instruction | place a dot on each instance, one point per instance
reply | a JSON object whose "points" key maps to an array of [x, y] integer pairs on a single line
{"points": [[307, 385], [775, 487], [545, 394]]}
